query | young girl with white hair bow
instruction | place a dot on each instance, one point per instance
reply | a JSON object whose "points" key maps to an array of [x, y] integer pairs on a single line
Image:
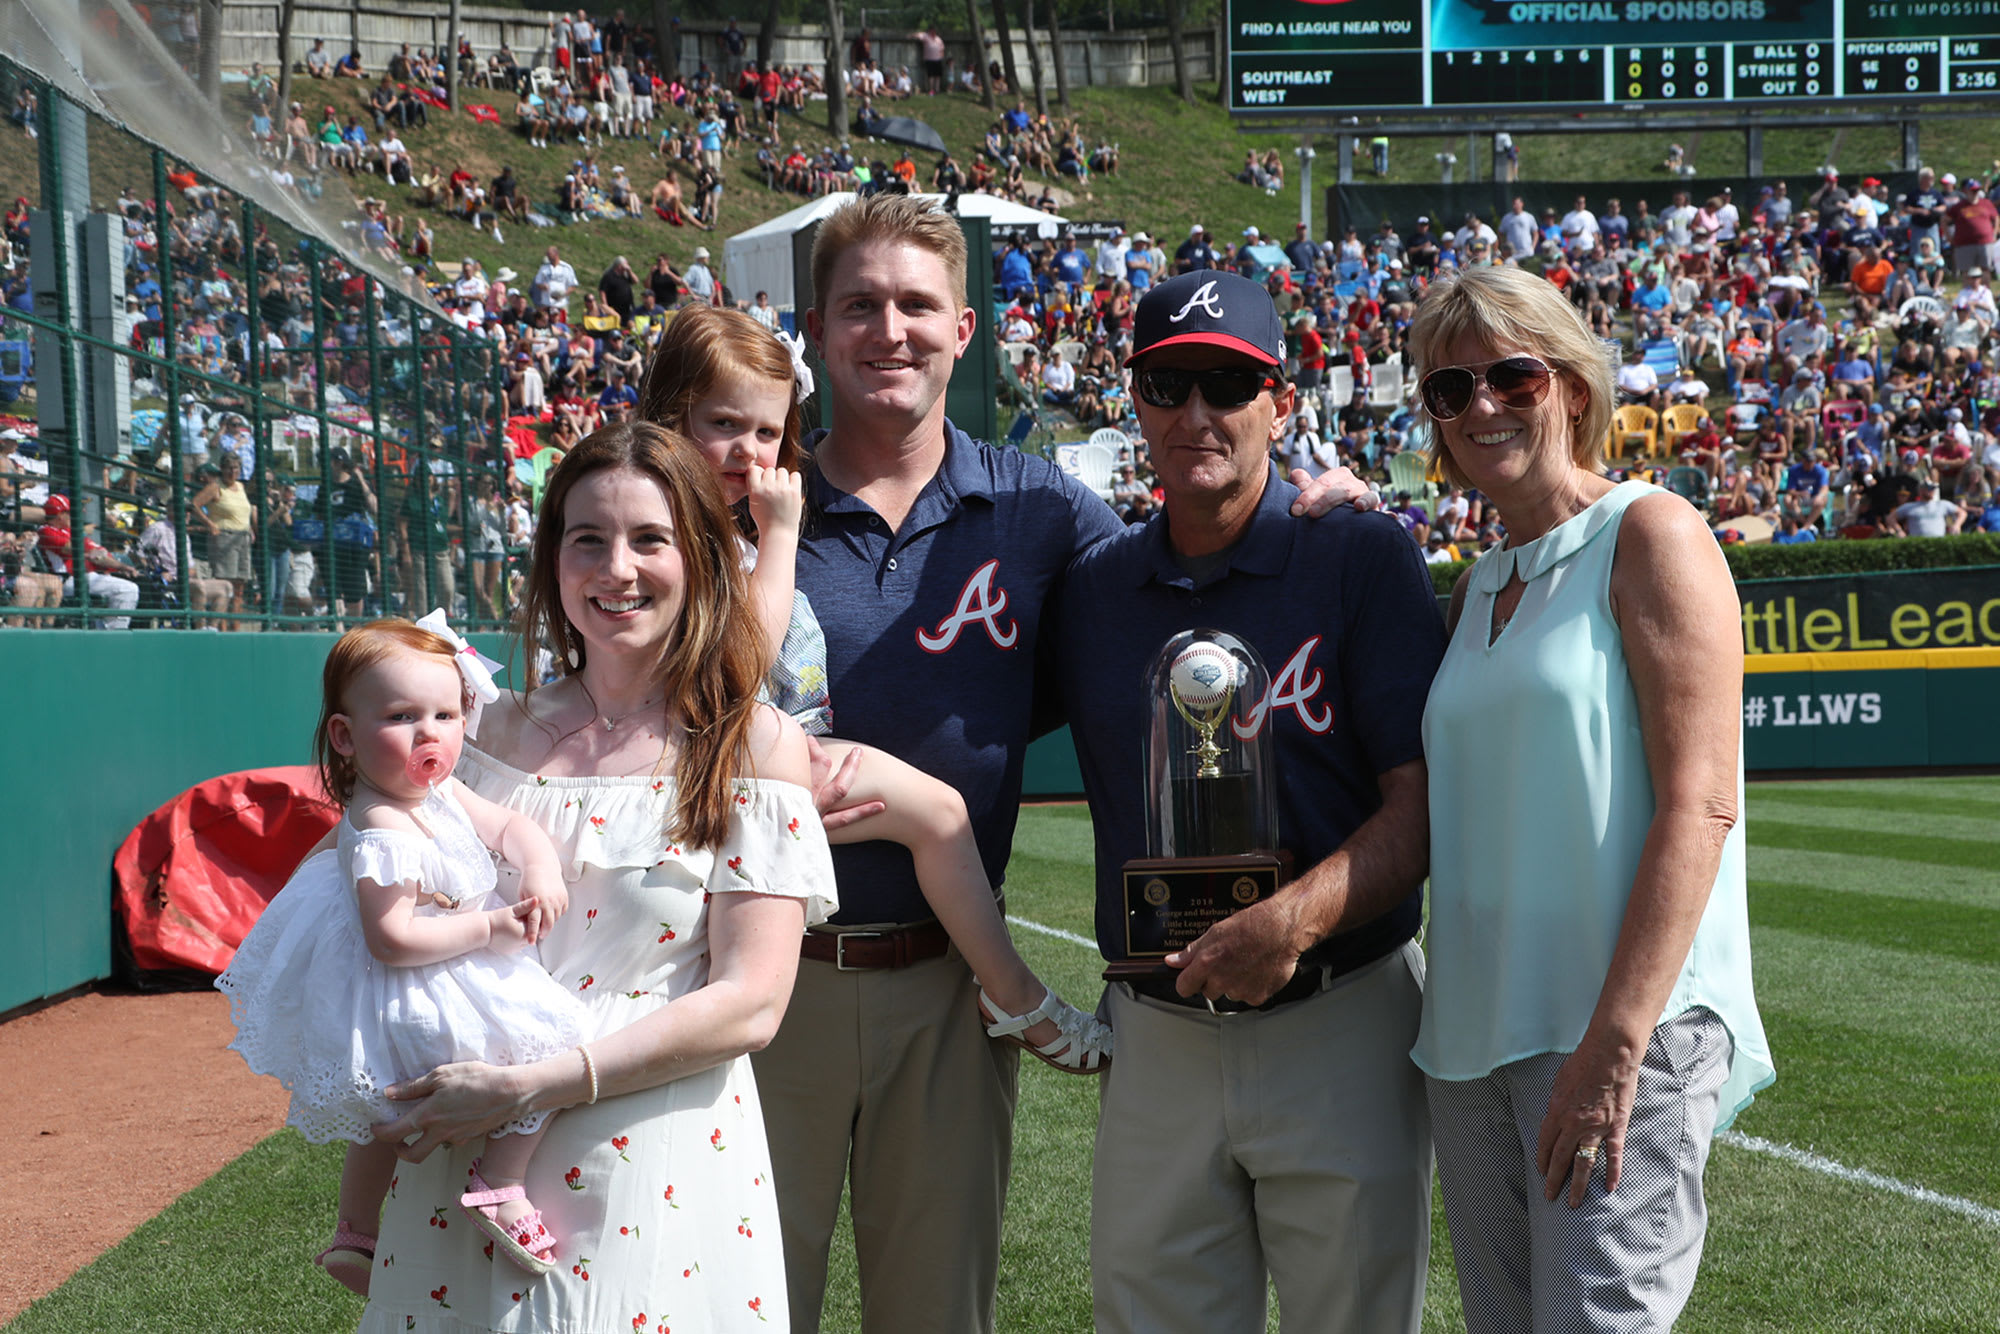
{"points": [[390, 952]]}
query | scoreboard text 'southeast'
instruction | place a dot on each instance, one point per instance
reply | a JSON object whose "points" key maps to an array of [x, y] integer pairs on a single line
{"points": [[1370, 56]]}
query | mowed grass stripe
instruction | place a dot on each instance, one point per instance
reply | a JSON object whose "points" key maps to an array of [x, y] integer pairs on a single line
{"points": [[1922, 1111], [1984, 791], [1922, 805], [1874, 875], [1889, 921], [1971, 824], [1928, 998], [1972, 854], [1789, 1251]]}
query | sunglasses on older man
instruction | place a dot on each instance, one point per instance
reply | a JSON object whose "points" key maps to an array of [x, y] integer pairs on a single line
{"points": [[1223, 387], [1516, 383]]}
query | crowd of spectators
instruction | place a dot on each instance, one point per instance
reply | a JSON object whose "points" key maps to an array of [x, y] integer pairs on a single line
{"points": [[1805, 370], [270, 330], [1801, 368]]}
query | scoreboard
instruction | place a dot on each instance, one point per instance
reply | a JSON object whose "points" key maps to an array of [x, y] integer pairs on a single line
{"points": [[1365, 57]]}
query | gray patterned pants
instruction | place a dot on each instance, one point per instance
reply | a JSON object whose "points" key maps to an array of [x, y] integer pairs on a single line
{"points": [[1623, 1263]]}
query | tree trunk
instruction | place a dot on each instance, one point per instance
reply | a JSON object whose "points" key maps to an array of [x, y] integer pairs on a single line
{"points": [[1221, 64], [767, 35], [284, 59], [1004, 33], [210, 58], [1177, 40], [978, 31], [451, 60], [1034, 56], [836, 70], [1056, 53], [666, 50]]}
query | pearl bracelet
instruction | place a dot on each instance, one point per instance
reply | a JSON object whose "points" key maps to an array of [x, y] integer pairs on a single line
{"points": [[590, 1069]]}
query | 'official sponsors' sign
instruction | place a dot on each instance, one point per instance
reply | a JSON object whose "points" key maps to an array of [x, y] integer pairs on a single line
{"points": [[1914, 609]]}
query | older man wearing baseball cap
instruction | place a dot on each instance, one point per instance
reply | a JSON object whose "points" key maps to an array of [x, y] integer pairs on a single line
{"points": [[1262, 1120], [1975, 222]]}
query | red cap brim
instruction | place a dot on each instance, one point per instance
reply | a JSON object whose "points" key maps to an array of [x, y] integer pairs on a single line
{"points": [[1229, 341]]}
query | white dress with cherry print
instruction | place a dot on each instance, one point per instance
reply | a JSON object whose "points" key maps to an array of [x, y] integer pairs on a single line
{"points": [[660, 1200]]}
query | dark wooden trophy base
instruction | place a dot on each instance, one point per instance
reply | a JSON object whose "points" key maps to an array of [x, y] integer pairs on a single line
{"points": [[1171, 901]]}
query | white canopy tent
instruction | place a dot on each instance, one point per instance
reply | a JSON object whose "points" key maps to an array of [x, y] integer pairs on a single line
{"points": [[760, 259]]}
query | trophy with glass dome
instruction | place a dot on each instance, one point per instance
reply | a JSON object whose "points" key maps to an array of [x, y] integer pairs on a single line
{"points": [[1211, 801]]}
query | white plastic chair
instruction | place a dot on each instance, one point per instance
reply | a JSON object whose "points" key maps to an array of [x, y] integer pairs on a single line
{"points": [[1015, 353], [1337, 390], [1928, 306], [1094, 466], [1115, 440], [1387, 391], [1070, 351]]}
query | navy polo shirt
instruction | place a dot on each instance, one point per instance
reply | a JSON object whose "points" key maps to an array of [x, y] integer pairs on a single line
{"points": [[930, 638], [1341, 611]]}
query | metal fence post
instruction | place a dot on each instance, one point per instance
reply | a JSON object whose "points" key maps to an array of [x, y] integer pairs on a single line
{"points": [[61, 241], [170, 325], [335, 602]]}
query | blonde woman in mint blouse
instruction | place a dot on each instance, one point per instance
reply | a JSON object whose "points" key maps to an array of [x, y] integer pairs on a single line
{"points": [[1588, 1018]]}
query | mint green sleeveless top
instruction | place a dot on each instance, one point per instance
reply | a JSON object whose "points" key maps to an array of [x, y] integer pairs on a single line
{"points": [[1540, 804]]}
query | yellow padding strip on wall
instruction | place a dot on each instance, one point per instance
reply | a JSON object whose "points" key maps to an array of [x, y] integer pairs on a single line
{"points": [[1919, 659]]}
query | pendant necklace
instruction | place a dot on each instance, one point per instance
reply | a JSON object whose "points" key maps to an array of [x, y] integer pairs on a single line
{"points": [[610, 723]]}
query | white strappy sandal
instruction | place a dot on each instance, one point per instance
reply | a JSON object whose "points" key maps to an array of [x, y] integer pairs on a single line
{"points": [[1083, 1047]]}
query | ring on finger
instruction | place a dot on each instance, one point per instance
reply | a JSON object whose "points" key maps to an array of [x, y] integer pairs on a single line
{"points": [[1587, 1152]]}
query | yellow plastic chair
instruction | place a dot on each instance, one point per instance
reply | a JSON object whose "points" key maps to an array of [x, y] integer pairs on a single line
{"points": [[1634, 420], [1682, 419]]}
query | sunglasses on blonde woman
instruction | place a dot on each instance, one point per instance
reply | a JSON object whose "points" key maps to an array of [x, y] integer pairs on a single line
{"points": [[1516, 383]]}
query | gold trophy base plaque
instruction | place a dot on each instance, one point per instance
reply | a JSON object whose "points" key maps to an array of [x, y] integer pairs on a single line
{"points": [[1171, 901]]}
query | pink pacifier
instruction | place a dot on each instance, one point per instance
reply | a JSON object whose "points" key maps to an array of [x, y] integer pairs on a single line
{"points": [[428, 765]]}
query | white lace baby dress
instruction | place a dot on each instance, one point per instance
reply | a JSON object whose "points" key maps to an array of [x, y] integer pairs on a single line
{"points": [[315, 1010]]}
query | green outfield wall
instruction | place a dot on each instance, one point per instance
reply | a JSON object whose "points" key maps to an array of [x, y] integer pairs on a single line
{"points": [[110, 726]]}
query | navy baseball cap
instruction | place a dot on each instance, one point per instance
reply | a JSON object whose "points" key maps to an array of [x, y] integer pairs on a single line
{"points": [[1211, 306]]}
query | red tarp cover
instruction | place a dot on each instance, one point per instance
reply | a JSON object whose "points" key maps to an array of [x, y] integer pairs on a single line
{"points": [[195, 874]]}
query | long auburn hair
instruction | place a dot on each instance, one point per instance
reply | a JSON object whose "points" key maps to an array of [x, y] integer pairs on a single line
{"points": [[712, 662], [701, 348], [362, 648]]}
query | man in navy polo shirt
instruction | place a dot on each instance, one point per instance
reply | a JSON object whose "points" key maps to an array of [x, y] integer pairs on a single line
{"points": [[929, 557], [1261, 1115]]}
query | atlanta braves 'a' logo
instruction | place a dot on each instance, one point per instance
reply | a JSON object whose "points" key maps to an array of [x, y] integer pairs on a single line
{"points": [[1205, 297], [1292, 688], [979, 603]]}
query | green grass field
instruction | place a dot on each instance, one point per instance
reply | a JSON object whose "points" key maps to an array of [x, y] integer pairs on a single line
{"points": [[1875, 907]]}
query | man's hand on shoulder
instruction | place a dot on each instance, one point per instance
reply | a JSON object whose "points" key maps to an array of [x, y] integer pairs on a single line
{"points": [[1319, 496]]}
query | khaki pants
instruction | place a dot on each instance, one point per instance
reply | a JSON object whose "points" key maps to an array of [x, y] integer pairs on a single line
{"points": [[1294, 1143], [890, 1075]]}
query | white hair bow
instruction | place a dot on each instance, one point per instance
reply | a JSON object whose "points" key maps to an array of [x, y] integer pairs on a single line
{"points": [[474, 666], [802, 376]]}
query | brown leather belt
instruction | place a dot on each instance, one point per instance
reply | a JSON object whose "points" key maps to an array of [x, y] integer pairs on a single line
{"points": [[1309, 980], [890, 947]]}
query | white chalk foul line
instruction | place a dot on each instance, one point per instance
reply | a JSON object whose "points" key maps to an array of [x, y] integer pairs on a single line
{"points": [[1056, 931], [1861, 1176], [1812, 1162]]}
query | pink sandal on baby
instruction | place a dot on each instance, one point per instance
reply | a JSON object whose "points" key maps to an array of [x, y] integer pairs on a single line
{"points": [[525, 1241], [350, 1261]]}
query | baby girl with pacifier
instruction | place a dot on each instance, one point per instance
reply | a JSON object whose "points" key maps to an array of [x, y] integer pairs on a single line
{"points": [[391, 952]]}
